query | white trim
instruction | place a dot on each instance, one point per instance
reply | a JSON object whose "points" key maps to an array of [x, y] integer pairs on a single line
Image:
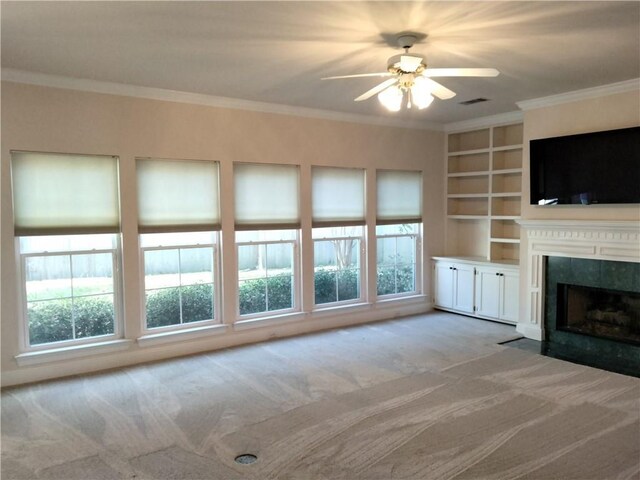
{"points": [[112, 88], [181, 335], [269, 321], [74, 351], [586, 93], [485, 122]]}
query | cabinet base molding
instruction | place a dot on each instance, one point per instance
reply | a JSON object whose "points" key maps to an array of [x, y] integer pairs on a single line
{"points": [[473, 315]]}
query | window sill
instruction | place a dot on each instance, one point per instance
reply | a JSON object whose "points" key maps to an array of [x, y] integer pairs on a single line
{"points": [[393, 301], [71, 352], [180, 335], [267, 321], [344, 308]]}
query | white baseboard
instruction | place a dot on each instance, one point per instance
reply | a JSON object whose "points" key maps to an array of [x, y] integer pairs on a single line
{"points": [[534, 332]]}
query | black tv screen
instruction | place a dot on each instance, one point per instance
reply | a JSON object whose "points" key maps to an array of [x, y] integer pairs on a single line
{"points": [[590, 168]]}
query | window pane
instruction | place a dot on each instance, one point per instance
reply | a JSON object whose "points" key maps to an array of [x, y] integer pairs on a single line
{"points": [[161, 269], [332, 232], [386, 251], [50, 321], [265, 235], [196, 265], [94, 316], [197, 303], [279, 259], [67, 243], [252, 296], [386, 280], [348, 284], [405, 278], [325, 285], [324, 254], [406, 250], [251, 261], [48, 277], [397, 229], [347, 253], [92, 274], [163, 307], [176, 239], [280, 292]]}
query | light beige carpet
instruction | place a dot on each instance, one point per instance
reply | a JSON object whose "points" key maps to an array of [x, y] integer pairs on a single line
{"points": [[426, 397]]}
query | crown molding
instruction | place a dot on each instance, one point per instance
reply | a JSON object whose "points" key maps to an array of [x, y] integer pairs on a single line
{"points": [[481, 122], [584, 94], [112, 88]]}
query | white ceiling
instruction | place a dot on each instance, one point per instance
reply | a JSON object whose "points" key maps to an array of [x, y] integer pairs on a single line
{"points": [[276, 52]]}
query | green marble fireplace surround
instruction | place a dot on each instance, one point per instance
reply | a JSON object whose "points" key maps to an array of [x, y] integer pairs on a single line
{"points": [[621, 355]]}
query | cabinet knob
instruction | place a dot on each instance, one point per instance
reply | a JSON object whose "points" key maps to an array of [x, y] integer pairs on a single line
{"points": [[497, 274]]}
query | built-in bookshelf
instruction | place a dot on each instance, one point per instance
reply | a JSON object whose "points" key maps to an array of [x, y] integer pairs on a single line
{"points": [[484, 185]]}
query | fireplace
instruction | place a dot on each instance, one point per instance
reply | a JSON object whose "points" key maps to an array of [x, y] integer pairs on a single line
{"points": [[592, 312]]}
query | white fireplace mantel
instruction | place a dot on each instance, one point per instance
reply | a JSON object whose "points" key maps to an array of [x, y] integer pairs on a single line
{"points": [[594, 239]]}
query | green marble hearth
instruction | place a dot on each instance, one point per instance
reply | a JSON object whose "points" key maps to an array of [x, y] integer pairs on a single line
{"points": [[621, 356]]}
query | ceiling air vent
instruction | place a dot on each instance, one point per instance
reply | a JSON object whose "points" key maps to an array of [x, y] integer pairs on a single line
{"points": [[474, 100]]}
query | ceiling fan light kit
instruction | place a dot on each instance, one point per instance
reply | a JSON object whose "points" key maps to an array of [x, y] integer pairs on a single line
{"points": [[410, 75]]}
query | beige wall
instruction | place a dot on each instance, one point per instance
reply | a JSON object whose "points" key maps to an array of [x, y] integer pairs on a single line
{"points": [[603, 113], [57, 120]]}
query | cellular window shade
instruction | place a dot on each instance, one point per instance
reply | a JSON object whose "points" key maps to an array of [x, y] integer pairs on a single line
{"points": [[64, 194], [399, 197], [177, 195], [266, 196], [337, 196]]}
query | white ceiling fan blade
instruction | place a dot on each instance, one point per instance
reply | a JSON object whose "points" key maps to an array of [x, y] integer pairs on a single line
{"points": [[440, 91], [409, 63], [461, 72], [378, 88], [382, 74]]}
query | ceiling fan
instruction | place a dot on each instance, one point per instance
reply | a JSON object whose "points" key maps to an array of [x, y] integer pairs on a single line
{"points": [[409, 74]]}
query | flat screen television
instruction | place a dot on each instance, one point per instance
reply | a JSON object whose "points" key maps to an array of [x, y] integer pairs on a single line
{"points": [[586, 169]]}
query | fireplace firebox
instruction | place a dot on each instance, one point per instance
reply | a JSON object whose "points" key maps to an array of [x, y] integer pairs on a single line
{"points": [[599, 312]]}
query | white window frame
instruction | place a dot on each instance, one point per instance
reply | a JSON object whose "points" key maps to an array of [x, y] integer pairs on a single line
{"points": [[295, 243], [118, 327], [418, 263], [362, 254], [217, 309]]}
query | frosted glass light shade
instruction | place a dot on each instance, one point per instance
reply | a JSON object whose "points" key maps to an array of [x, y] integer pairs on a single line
{"points": [[399, 197], [64, 194], [391, 98], [177, 195], [421, 93], [266, 196], [337, 196]]}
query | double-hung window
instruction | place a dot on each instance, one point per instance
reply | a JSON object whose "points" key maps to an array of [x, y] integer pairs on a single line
{"points": [[338, 220], [178, 221], [267, 223], [398, 225], [67, 222]]}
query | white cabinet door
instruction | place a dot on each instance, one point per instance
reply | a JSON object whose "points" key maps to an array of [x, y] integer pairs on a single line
{"points": [[443, 281], [488, 289], [509, 295], [464, 289]]}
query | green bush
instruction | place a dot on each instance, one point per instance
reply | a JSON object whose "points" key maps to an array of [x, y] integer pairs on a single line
{"points": [[392, 279], [51, 321], [163, 306], [252, 294], [325, 285]]}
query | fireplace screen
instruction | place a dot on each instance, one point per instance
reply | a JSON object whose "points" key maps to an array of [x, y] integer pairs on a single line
{"points": [[599, 312]]}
